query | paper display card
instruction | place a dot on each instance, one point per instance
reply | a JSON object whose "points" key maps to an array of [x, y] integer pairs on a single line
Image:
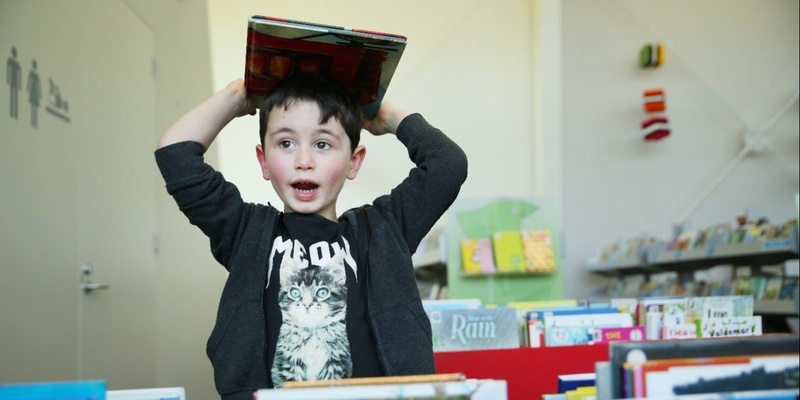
{"points": [[617, 334], [726, 327], [492, 328], [362, 61]]}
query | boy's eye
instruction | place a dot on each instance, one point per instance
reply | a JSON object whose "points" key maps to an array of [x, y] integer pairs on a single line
{"points": [[285, 144], [322, 145]]}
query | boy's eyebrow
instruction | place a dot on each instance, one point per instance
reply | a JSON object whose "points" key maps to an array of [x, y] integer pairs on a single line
{"points": [[286, 129]]}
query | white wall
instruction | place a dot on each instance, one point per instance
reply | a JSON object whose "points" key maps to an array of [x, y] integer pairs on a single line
{"points": [[467, 68], [730, 66]]}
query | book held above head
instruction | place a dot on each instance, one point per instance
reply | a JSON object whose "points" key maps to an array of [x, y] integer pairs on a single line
{"points": [[361, 61]]}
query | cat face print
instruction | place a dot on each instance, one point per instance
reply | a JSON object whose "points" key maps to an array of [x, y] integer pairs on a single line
{"points": [[313, 296]]}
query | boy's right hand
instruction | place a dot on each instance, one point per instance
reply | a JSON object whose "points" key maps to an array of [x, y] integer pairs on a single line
{"points": [[245, 105], [203, 123]]}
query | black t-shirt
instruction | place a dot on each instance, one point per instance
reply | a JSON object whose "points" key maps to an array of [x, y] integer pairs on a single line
{"points": [[315, 304]]}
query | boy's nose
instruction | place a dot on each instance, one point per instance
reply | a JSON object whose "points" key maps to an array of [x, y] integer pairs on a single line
{"points": [[304, 159]]}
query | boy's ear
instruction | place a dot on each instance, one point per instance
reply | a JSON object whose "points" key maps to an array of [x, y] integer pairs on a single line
{"points": [[262, 161], [356, 160]]}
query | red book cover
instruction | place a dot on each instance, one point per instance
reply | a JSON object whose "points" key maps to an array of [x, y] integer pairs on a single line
{"points": [[361, 61]]}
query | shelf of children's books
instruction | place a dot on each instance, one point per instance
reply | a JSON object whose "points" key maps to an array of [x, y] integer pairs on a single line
{"points": [[689, 261], [617, 270], [655, 258]]}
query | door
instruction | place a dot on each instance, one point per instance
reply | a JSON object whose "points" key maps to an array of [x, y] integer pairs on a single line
{"points": [[77, 188]]}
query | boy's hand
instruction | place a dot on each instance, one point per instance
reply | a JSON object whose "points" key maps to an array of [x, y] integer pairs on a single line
{"points": [[244, 104], [387, 120], [203, 123]]}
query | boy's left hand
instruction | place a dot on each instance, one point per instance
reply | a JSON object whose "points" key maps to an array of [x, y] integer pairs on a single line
{"points": [[387, 120]]}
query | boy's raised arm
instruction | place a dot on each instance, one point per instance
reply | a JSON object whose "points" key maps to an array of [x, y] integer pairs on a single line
{"points": [[203, 123]]}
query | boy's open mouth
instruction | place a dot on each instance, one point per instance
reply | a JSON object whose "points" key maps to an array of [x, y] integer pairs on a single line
{"points": [[305, 186]]}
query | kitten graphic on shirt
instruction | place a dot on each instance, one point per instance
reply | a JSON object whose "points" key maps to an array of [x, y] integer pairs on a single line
{"points": [[312, 342]]}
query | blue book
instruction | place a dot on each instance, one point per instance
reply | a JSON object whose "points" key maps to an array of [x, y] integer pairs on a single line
{"points": [[540, 312], [68, 390], [573, 381]]}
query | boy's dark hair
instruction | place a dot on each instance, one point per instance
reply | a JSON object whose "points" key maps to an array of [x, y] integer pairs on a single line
{"points": [[331, 98]]}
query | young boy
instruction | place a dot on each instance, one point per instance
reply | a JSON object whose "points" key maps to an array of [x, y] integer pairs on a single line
{"points": [[310, 294]]}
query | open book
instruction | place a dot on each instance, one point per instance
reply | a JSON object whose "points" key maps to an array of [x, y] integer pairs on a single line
{"points": [[361, 61]]}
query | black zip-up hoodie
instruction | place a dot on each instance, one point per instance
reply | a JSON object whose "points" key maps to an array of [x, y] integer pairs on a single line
{"points": [[241, 234]]}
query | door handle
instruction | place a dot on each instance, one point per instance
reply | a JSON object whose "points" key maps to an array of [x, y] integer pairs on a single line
{"points": [[86, 284]]}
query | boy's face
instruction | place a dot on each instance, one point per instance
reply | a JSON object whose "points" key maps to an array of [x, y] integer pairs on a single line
{"points": [[307, 162]]}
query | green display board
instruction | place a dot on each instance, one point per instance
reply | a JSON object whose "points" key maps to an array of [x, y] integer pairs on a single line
{"points": [[472, 218]]}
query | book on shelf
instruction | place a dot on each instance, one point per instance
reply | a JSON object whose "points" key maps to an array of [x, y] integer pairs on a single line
{"points": [[772, 288], [582, 393], [508, 253], [694, 376], [568, 330], [653, 312], [394, 387], [788, 289], [472, 329], [57, 390], [452, 304], [362, 61], [477, 256], [568, 382], [621, 353], [534, 320], [165, 393], [538, 247]]}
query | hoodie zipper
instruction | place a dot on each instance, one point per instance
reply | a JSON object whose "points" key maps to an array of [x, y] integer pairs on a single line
{"points": [[264, 314], [366, 236]]}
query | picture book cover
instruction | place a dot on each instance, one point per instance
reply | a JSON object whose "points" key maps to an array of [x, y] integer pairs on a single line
{"points": [[788, 289], [477, 256], [656, 369], [508, 253], [720, 374], [362, 61], [471, 329], [538, 250], [772, 288], [622, 352], [567, 330]]}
